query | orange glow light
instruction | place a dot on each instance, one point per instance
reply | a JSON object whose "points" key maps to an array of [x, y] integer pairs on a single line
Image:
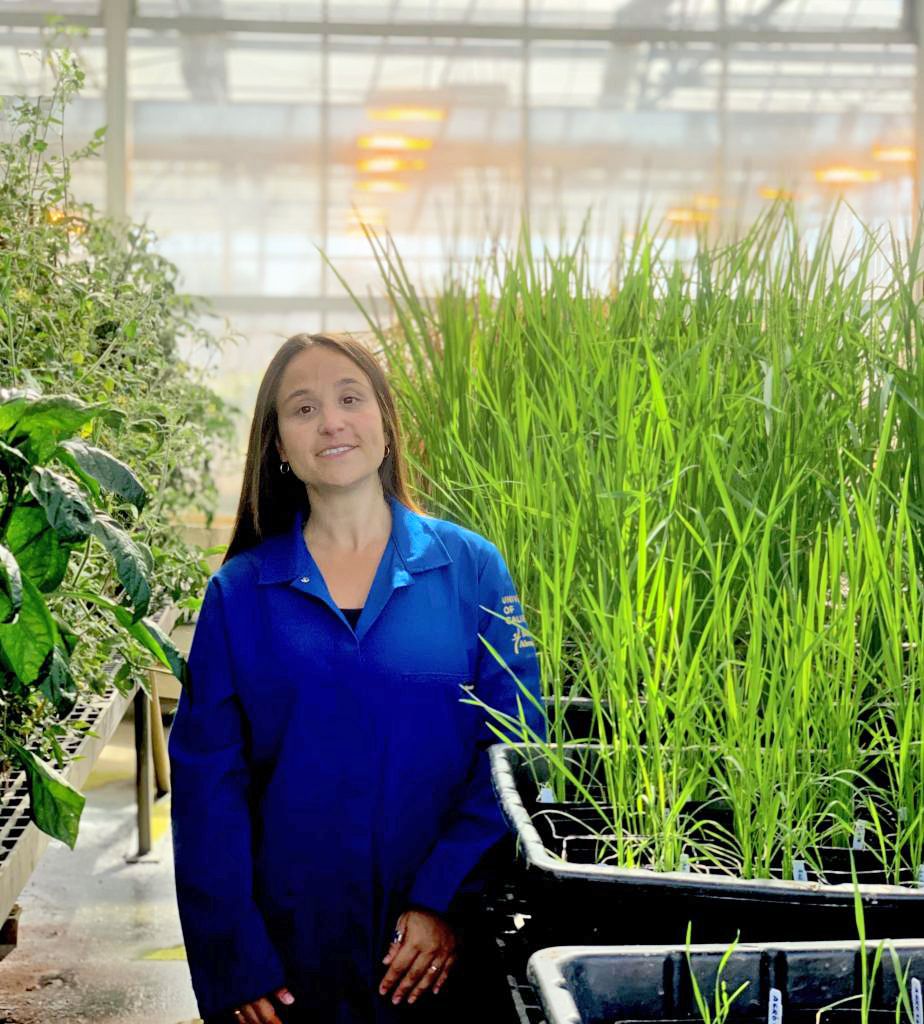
{"points": [[844, 175], [893, 154], [407, 114], [706, 202], [392, 142], [382, 186], [684, 215], [389, 164], [766, 192]]}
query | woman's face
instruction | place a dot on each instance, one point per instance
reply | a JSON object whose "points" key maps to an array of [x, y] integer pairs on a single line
{"points": [[325, 401]]}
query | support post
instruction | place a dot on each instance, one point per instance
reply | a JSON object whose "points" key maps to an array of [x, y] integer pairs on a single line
{"points": [[144, 782]]}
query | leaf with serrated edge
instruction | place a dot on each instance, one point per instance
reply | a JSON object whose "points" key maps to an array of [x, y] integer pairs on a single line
{"points": [[64, 504], [129, 562], [56, 805], [112, 474]]}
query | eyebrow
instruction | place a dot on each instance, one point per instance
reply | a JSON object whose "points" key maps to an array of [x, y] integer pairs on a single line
{"points": [[308, 391]]}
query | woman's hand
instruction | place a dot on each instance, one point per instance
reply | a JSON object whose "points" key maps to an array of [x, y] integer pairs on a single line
{"points": [[262, 1011], [427, 941]]}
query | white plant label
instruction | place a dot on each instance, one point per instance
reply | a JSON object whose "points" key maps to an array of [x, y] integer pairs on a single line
{"points": [[775, 1011], [859, 835], [921, 875], [917, 1004], [546, 795], [684, 863], [799, 874]]}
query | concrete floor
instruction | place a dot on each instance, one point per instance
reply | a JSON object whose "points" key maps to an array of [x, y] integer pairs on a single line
{"points": [[99, 938]]}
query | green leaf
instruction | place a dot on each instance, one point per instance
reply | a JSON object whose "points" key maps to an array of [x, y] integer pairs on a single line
{"points": [[129, 562], [14, 460], [67, 636], [27, 642], [56, 805], [13, 403], [39, 552], [146, 632], [45, 422], [111, 473], [10, 586], [64, 504], [57, 684], [74, 466]]}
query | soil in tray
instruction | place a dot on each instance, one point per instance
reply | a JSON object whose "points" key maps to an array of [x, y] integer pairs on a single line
{"points": [[577, 833]]}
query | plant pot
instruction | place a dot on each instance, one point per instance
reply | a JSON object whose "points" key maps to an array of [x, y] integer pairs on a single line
{"points": [[587, 902], [576, 715], [607, 984]]}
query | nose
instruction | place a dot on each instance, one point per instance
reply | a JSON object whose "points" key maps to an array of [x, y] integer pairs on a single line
{"points": [[330, 420]]}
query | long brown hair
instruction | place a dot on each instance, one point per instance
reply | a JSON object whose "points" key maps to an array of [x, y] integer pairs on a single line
{"points": [[270, 499]]}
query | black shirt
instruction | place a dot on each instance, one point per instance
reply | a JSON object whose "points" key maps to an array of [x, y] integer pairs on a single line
{"points": [[352, 615]]}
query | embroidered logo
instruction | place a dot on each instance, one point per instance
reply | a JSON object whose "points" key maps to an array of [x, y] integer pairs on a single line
{"points": [[513, 616]]}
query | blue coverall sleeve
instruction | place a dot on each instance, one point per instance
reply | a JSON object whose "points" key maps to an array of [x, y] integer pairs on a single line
{"points": [[230, 955], [478, 823]]}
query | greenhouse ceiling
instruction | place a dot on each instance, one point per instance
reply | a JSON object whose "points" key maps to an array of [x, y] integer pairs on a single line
{"points": [[253, 134]]}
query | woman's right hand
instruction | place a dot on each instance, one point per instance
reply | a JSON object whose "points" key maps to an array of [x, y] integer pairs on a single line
{"points": [[262, 1011]]}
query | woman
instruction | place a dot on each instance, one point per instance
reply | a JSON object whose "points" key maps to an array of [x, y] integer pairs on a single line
{"points": [[332, 803]]}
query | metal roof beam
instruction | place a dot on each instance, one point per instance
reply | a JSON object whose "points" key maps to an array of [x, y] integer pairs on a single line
{"points": [[615, 34]]}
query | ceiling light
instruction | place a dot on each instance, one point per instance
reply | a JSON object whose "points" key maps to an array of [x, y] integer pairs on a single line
{"points": [[685, 215], [407, 114], [766, 192], [844, 175], [380, 185], [389, 164], [894, 154], [392, 142]]}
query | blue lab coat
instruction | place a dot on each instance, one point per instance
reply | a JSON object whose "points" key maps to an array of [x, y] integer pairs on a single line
{"points": [[325, 779]]}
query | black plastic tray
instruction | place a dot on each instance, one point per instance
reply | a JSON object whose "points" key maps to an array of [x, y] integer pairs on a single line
{"points": [[622, 984], [591, 903]]}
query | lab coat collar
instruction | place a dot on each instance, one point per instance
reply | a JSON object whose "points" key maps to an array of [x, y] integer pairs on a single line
{"points": [[286, 556]]}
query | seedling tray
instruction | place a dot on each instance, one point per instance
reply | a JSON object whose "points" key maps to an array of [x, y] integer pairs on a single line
{"points": [[577, 900], [788, 983]]}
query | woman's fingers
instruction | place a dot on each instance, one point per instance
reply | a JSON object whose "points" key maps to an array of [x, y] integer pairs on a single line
{"points": [[413, 975], [260, 1011], [444, 974], [284, 996], [442, 963], [395, 943]]}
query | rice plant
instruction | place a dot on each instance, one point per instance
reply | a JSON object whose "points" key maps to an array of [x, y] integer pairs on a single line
{"points": [[708, 482]]}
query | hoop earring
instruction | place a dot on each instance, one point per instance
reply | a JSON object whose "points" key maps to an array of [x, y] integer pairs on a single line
{"points": [[284, 468], [387, 450]]}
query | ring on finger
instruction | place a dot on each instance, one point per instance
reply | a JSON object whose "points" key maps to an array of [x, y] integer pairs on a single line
{"points": [[434, 966]]}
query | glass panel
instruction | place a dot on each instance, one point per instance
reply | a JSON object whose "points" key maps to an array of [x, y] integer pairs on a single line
{"points": [[62, 7], [426, 143], [475, 12], [226, 162], [817, 14]]}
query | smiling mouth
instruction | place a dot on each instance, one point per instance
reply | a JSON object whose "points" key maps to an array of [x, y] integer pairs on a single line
{"points": [[333, 453]]}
